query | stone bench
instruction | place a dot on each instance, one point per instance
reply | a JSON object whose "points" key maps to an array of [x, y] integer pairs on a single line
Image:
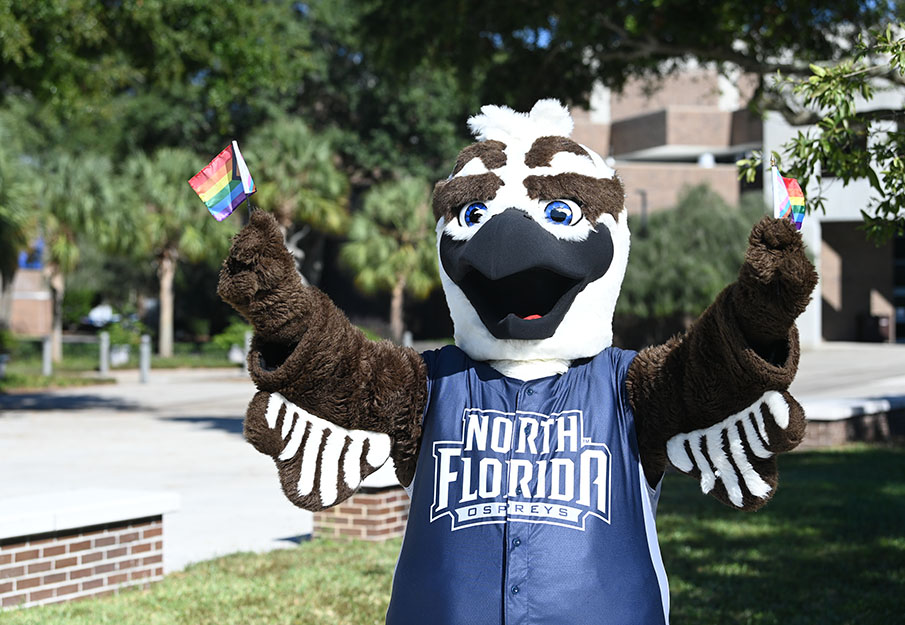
{"points": [[58, 547]]}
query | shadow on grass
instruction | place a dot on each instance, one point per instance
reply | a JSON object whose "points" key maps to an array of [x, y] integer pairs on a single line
{"points": [[829, 548]]}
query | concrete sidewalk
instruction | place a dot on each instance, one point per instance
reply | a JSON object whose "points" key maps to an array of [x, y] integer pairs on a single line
{"points": [[840, 380], [182, 433]]}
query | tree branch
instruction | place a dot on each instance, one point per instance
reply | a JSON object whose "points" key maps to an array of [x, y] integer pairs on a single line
{"points": [[642, 47], [892, 75], [804, 117]]}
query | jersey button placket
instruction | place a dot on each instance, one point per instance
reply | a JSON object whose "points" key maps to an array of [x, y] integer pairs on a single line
{"points": [[517, 554]]}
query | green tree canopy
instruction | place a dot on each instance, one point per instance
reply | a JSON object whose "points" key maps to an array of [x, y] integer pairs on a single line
{"points": [[17, 187], [139, 75], [173, 224], [847, 136], [296, 176], [146, 73], [73, 195], [511, 52], [382, 122], [392, 245], [298, 180], [14, 202]]}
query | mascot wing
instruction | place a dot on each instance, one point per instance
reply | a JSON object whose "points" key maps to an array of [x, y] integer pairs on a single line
{"points": [[320, 464], [714, 402], [332, 405]]}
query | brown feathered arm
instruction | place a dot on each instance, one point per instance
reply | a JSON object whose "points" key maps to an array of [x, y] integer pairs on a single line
{"points": [[714, 401], [306, 355]]}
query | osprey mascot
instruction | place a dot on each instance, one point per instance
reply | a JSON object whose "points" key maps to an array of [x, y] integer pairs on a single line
{"points": [[533, 450]]}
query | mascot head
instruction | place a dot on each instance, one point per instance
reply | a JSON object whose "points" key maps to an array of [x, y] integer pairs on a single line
{"points": [[533, 239]]}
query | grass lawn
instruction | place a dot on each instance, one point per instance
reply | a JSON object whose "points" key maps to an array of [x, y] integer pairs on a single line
{"points": [[830, 548], [16, 380], [80, 365]]}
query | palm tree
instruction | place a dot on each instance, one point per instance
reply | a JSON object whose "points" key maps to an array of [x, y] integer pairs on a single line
{"points": [[16, 184], [13, 224], [298, 181], [391, 245], [175, 226], [76, 196]]}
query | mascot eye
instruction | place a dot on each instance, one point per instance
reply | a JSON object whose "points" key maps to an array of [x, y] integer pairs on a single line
{"points": [[563, 212], [472, 214]]}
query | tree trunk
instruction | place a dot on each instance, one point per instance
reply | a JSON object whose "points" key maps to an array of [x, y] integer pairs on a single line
{"points": [[166, 271], [397, 324], [57, 288], [6, 302], [293, 244]]}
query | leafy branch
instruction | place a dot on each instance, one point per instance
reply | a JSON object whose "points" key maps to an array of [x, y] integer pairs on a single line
{"points": [[846, 139]]}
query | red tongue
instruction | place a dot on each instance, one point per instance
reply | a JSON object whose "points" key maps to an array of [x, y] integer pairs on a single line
{"points": [[530, 317]]}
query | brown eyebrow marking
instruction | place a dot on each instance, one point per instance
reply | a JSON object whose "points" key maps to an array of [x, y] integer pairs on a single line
{"points": [[490, 152], [450, 195], [545, 148], [595, 195]]}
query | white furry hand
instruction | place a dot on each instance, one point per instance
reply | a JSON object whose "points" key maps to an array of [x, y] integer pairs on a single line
{"points": [[733, 459], [320, 464]]}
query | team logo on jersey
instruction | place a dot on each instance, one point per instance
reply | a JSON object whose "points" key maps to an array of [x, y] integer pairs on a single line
{"points": [[521, 467]]}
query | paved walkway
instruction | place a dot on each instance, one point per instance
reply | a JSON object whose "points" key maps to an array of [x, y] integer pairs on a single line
{"points": [[851, 370], [183, 433]]}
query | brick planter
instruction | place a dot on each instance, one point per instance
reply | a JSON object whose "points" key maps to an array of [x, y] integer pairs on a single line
{"points": [[84, 562], [370, 514], [841, 421], [76, 547], [870, 428]]}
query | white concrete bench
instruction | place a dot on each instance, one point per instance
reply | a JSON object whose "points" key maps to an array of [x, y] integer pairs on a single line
{"points": [[836, 421], [58, 547]]}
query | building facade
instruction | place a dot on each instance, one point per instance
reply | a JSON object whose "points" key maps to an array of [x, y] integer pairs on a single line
{"points": [[690, 129]]}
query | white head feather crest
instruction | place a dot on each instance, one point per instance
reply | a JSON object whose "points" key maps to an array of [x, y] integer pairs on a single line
{"points": [[500, 123]]}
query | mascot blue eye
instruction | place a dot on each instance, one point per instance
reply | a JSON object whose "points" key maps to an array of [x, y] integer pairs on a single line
{"points": [[562, 212], [472, 214]]}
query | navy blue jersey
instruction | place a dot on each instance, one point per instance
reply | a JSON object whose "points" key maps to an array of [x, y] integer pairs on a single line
{"points": [[529, 505]]}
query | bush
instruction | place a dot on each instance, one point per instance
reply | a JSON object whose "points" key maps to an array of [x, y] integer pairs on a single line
{"points": [[7, 341], [234, 334], [126, 332], [689, 255], [77, 303]]}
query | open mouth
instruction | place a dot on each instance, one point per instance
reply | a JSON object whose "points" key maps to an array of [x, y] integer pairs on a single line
{"points": [[520, 279], [530, 295]]}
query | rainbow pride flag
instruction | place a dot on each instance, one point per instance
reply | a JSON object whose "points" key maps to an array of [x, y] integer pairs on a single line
{"points": [[788, 200], [224, 183]]}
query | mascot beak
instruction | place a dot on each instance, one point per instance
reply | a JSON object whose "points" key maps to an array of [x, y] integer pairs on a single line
{"points": [[520, 278]]}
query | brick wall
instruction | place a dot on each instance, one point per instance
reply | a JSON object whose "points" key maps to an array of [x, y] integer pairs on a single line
{"points": [[82, 562], [594, 135], [32, 308], [368, 515], [663, 183], [882, 427], [851, 293]]}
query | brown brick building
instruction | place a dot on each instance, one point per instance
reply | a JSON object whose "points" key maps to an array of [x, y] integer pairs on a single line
{"points": [[690, 129], [32, 305]]}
